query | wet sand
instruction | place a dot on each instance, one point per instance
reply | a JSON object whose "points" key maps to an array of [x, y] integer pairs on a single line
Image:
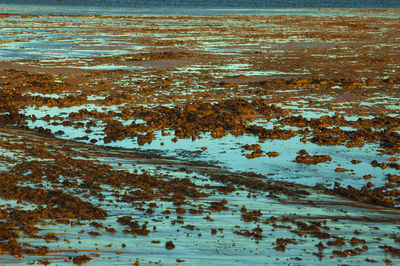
{"points": [[197, 139]]}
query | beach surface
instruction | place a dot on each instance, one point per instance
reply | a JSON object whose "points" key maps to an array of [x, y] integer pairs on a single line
{"points": [[228, 139]]}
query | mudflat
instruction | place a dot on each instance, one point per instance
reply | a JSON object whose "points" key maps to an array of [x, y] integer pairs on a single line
{"points": [[235, 139]]}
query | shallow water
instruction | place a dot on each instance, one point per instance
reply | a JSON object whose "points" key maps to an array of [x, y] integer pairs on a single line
{"points": [[192, 237], [193, 7]]}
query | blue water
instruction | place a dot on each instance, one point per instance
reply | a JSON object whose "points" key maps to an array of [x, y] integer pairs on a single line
{"points": [[217, 3], [187, 7]]}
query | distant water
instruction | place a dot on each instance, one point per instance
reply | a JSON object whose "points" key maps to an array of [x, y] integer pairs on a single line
{"points": [[218, 3], [183, 7]]}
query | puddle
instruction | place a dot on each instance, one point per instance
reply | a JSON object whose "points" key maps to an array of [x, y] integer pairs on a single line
{"points": [[112, 67]]}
